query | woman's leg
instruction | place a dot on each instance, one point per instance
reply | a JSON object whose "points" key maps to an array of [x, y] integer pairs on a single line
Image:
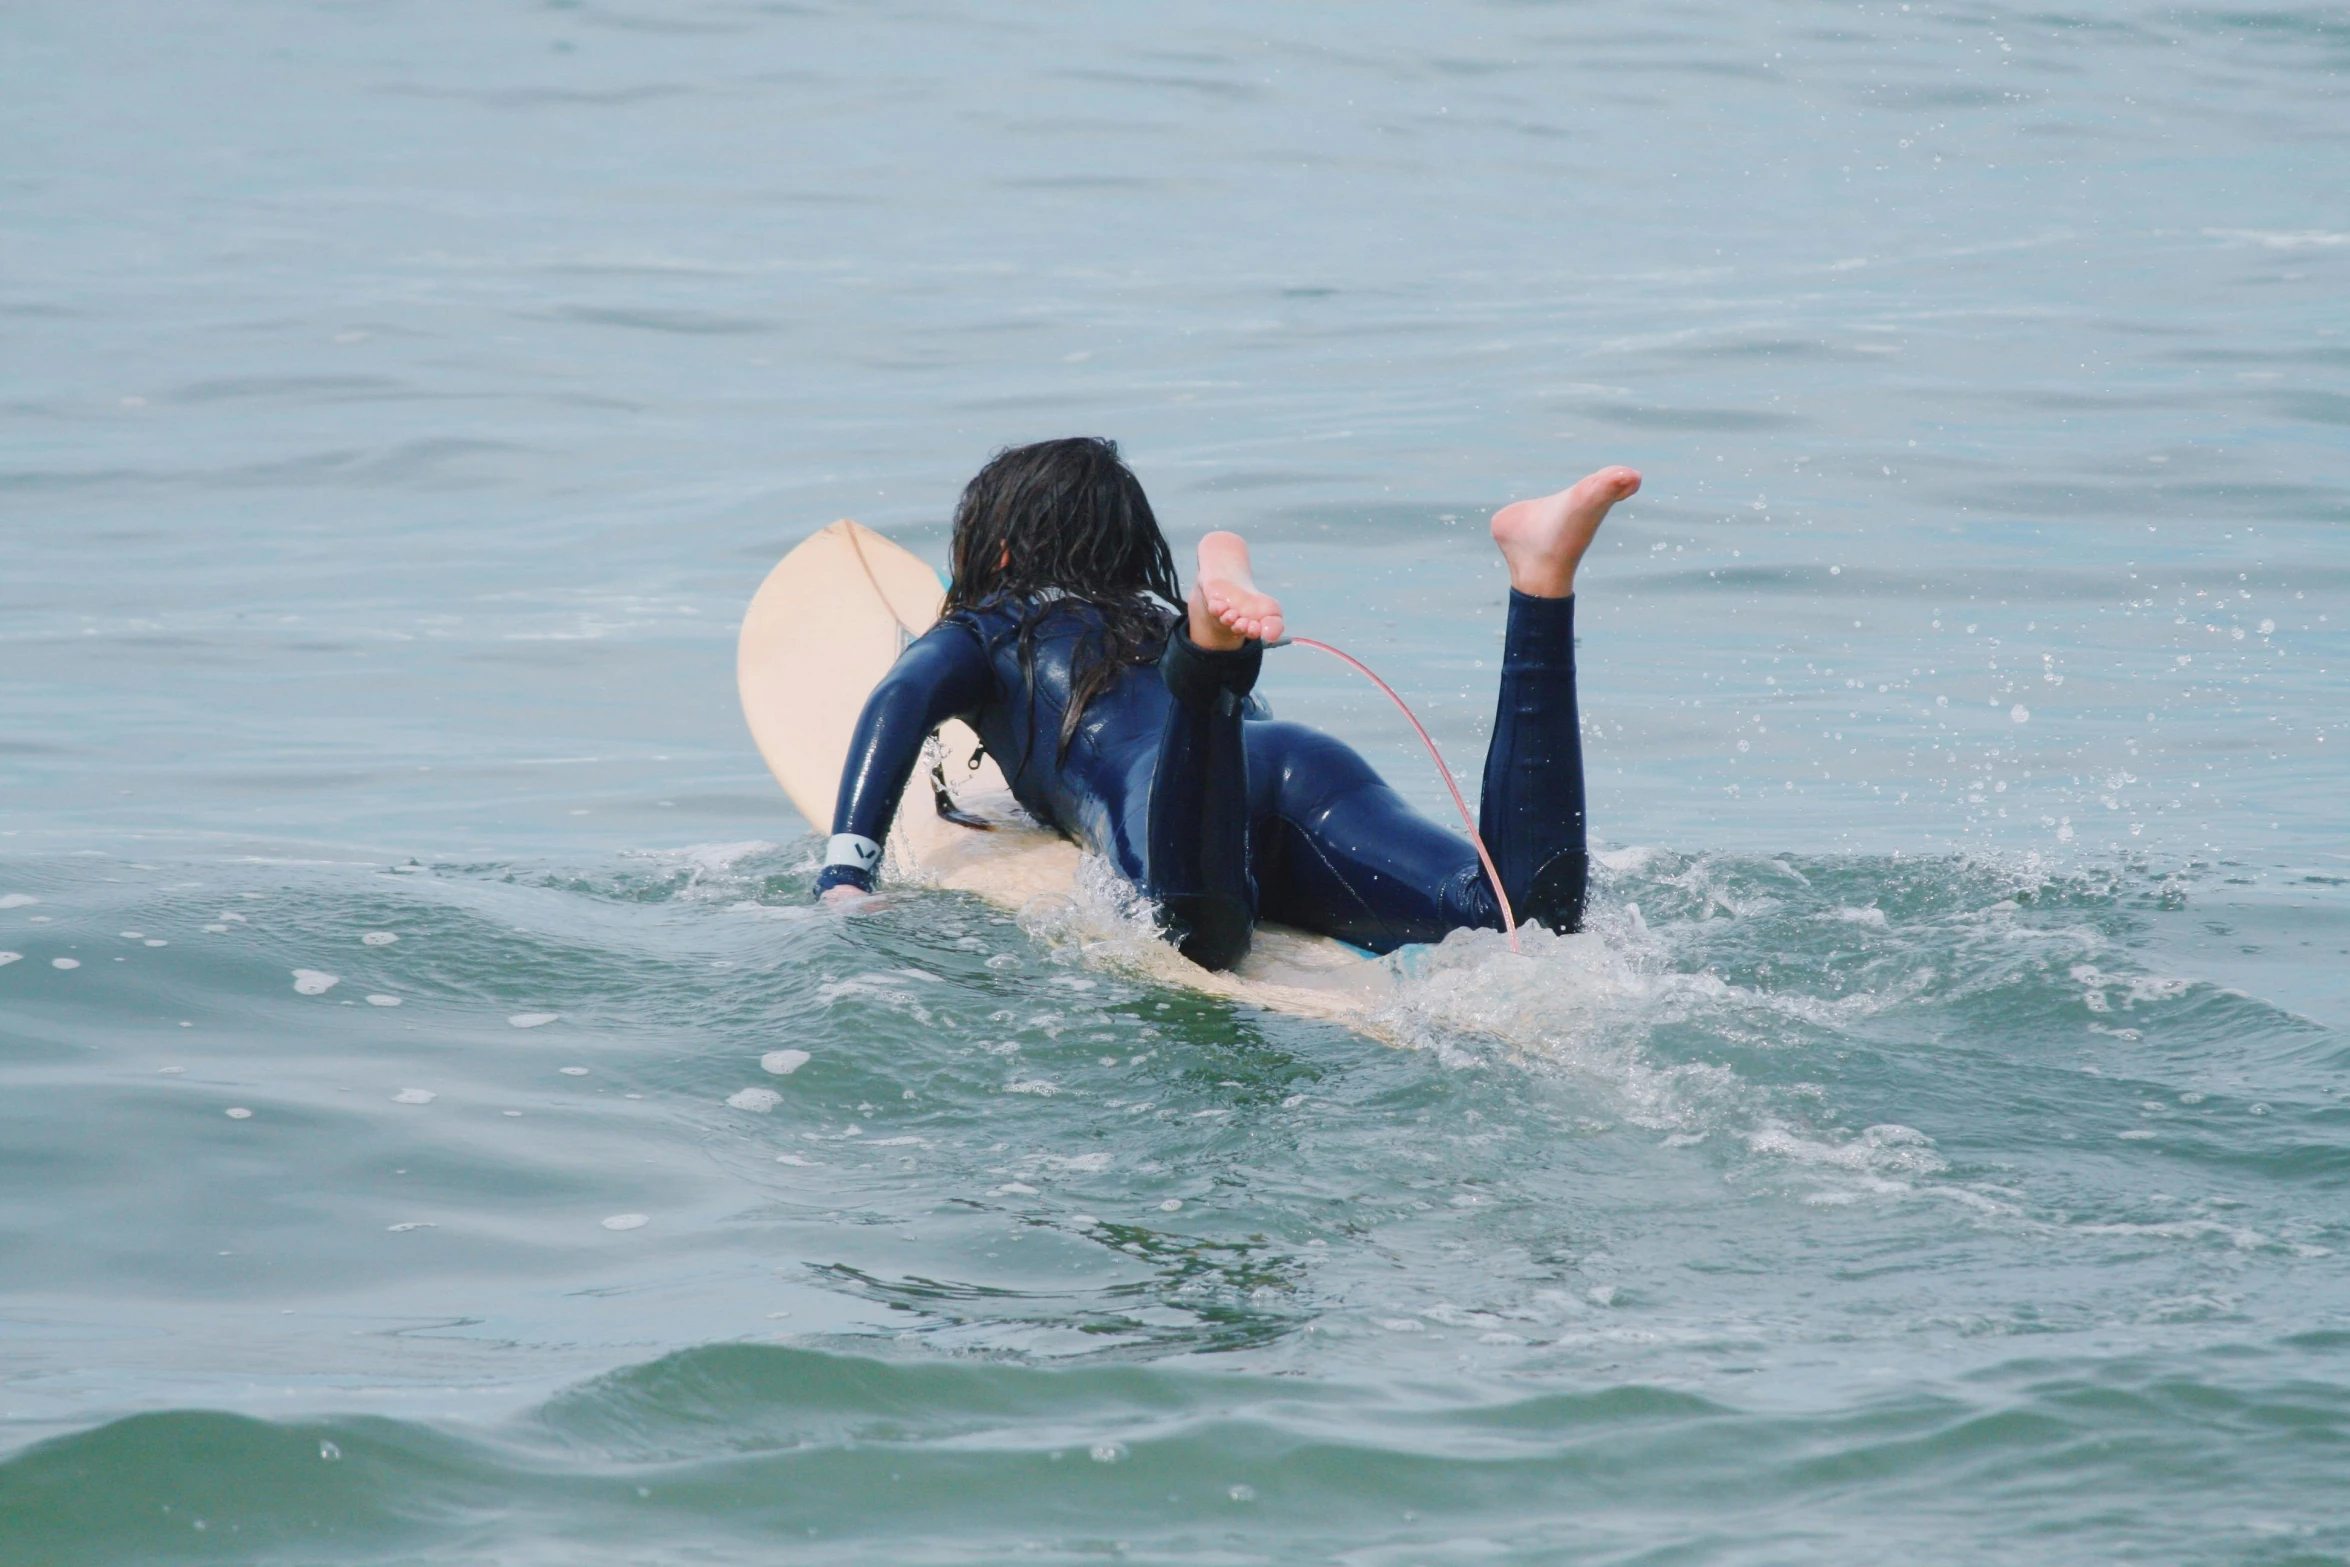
{"points": [[1196, 839], [1198, 832], [1339, 852], [1531, 814], [1531, 811]]}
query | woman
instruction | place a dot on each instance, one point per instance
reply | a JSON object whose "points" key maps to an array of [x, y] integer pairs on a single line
{"points": [[1128, 727]]}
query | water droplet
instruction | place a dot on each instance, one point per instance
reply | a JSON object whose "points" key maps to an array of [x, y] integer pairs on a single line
{"points": [[331, 1453]]}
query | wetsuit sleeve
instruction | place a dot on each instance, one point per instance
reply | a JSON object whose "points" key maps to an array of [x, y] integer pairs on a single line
{"points": [[945, 674]]}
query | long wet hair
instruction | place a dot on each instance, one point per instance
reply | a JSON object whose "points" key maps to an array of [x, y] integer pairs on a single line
{"points": [[1056, 525]]}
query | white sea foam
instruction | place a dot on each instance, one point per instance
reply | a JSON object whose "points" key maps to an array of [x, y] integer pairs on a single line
{"points": [[760, 1101], [7, 958], [378, 938], [311, 982], [65, 963], [2283, 239], [383, 1001], [783, 1063], [414, 1096], [627, 1221], [17, 900], [533, 1019]]}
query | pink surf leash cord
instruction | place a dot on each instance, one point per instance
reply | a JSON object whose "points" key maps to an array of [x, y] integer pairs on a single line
{"points": [[1509, 920]]}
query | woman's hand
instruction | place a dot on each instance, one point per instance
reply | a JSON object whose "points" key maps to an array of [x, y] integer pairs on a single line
{"points": [[845, 897]]}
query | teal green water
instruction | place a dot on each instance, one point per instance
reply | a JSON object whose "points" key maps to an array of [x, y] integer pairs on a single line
{"points": [[434, 1126]]}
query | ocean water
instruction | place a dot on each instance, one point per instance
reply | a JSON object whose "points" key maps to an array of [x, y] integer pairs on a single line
{"points": [[434, 1126]]}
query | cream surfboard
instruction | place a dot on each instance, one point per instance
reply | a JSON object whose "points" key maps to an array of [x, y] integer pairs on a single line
{"points": [[823, 629]]}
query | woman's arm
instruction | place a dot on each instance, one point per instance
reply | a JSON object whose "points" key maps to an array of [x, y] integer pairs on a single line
{"points": [[944, 675]]}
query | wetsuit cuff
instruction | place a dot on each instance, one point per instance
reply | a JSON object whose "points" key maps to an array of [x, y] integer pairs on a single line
{"points": [[1197, 675], [1541, 630], [850, 859], [843, 876]]}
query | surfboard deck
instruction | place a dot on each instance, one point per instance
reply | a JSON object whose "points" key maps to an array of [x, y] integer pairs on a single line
{"points": [[825, 626]]}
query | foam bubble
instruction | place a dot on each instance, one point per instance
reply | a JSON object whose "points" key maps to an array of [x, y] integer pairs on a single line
{"points": [[402, 1229], [383, 1001], [1012, 1189], [152, 942], [1171, 1205], [1036, 1086], [783, 1063], [795, 1160], [414, 1096], [758, 1100], [238, 1113], [533, 1019], [378, 938], [7, 958], [573, 1071], [17, 900], [310, 982], [627, 1221], [133, 935], [66, 963]]}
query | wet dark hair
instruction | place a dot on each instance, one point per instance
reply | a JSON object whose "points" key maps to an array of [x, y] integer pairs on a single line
{"points": [[1057, 525]]}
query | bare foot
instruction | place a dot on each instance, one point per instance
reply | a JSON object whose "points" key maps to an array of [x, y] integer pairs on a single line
{"points": [[1226, 608], [1544, 540]]}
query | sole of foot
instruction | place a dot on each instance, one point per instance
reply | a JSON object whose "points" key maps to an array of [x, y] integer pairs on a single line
{"points": [[1226, 609], [1543, 540]]}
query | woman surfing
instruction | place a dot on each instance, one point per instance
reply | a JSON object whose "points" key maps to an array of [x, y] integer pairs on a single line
{"points": [[1126, 723]]}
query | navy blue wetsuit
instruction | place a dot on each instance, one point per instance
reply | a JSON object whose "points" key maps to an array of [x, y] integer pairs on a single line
{"points": [[1223, 816]]}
